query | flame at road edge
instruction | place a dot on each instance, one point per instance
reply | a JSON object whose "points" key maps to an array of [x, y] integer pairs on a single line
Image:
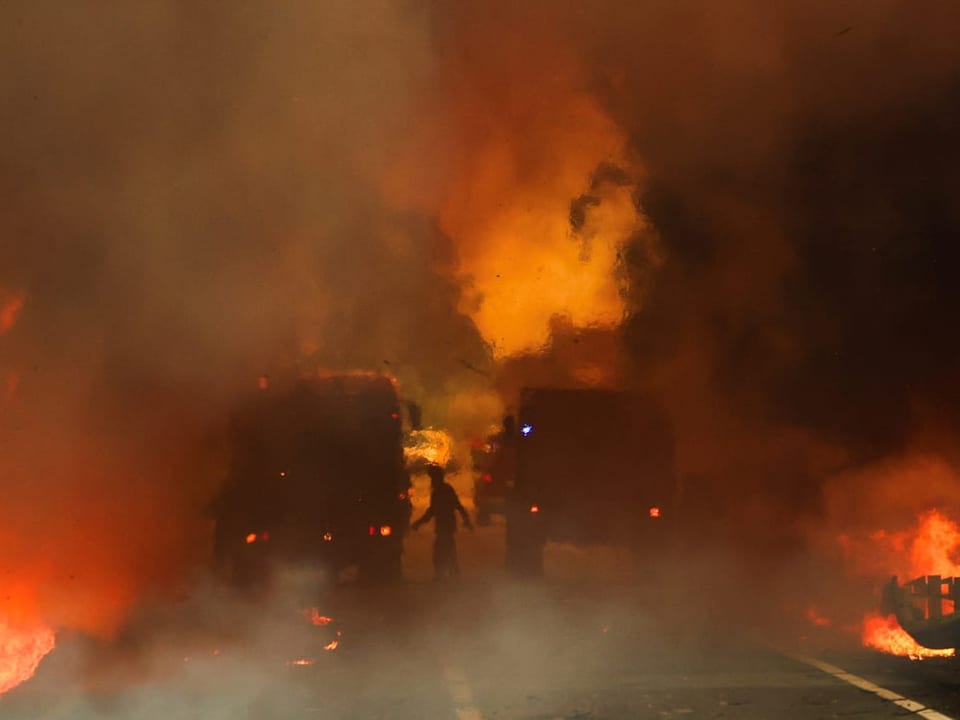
{"points": [[884, 633]]}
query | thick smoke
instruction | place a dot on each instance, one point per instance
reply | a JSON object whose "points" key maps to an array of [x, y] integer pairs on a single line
{"points": [[191, 198], [754, 202]]}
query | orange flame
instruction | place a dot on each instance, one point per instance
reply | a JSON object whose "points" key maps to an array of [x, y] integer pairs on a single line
{"points": [[21, 650], [934, 547], [815, 618], [885, 634], [512, 225], [539, 200]]}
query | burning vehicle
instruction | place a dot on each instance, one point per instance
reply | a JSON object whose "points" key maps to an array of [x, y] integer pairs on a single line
{"points": [[592, 466], [316, 478], [927, 608]]}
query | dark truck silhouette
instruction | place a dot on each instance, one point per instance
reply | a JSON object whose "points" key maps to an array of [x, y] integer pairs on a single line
{"points": [[316, 477], [592, 466], [492, 460]]}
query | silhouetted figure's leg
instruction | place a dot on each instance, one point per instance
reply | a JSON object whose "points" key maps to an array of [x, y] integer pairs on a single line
{"points": [[454, 563], [444, 556]]}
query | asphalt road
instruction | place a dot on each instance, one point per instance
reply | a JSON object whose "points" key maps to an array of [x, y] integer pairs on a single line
{"points": [[590, 643]]}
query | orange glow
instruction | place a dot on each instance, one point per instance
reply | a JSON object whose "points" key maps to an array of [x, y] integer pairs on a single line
{"points": [[21, 650], [11, 384], [930, 547], [428, 447], [816, 618], [885, 634], [10, 307], [935, 546], [264, 382], [534, 508], [328, 536], [332, 645], [315, 618], [654, 512], [251, 538], [128, 540], [301, 662], [385, 530]]}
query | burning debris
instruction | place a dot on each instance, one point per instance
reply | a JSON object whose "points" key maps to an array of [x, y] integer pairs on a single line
{"points": [[918, 617]]}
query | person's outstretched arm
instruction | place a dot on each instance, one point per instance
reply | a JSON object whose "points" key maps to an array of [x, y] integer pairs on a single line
{"points": [[463, 512], [425, 518]]}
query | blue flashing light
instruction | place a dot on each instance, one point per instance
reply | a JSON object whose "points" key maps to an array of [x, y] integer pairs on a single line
{"points": [[526, 429]]}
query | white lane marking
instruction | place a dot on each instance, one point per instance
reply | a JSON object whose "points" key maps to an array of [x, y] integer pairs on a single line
{"points": [[461, 693], [933, 715], [863, 684]]}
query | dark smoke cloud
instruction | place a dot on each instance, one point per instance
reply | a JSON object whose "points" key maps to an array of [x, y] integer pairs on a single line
{"points": [[801, 172], [802, 159]]}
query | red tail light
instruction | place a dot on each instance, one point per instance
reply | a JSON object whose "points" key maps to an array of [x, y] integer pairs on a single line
{"points": [[265, 536], [371, 531], [487, 477]]}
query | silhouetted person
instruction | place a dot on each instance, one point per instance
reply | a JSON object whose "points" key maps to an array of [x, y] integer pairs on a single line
{"points": [[444, 503]]}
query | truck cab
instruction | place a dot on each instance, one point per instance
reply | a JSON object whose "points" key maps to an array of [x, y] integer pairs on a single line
{"points": [[592, 466], [316, 477]]}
